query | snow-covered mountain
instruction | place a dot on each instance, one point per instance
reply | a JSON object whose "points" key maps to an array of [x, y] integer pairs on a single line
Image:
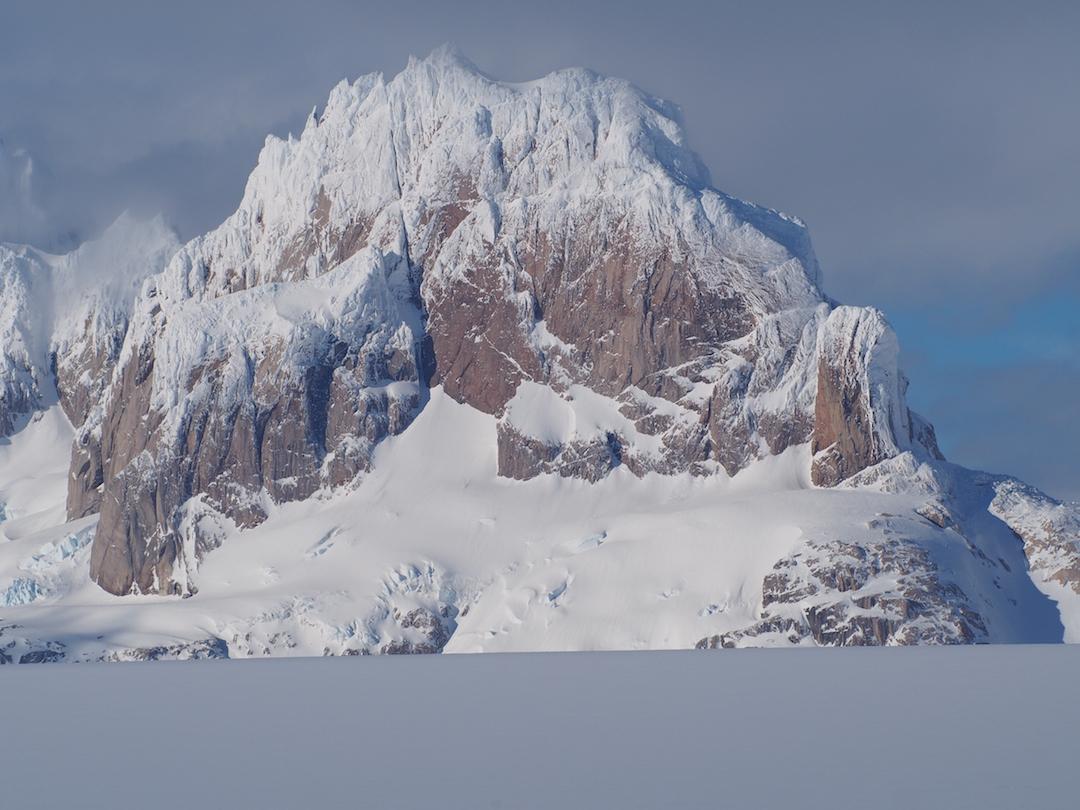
{"points": [[63, 318], [476, 366]]}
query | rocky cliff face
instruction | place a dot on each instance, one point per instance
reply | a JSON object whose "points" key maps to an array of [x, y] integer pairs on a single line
{"points": [[264, 395], [860, 418], [557, 234], [551, 254], [839, 594], [63, 318]]}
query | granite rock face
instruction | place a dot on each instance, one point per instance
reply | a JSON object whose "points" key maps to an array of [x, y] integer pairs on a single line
{"points": [[268, 404], [860, 415], [556, 241], [552, 254]]}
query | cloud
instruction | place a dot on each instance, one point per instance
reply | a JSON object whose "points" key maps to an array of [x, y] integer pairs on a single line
{"points": [[20, 215]]}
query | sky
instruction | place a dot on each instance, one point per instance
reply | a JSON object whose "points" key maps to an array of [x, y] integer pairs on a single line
{"points": [[933, 150]]}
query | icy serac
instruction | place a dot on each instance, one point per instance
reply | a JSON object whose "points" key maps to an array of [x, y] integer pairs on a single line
{"points": [[551, 246]]}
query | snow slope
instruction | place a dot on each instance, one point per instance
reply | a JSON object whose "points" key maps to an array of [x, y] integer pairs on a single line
{"points": [[33, 473], [483, 563]]}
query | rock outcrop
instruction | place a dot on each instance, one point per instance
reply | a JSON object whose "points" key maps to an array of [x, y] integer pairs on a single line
{"points": [[860, 415], [838, 594], [1049, 529], [243, 397]]}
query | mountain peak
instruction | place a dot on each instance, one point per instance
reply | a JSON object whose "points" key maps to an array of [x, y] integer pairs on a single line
{"points": [[445, 281], [446, 55]]}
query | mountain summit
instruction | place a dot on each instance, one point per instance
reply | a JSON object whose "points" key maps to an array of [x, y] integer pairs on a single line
{"points": [[531, 291]]}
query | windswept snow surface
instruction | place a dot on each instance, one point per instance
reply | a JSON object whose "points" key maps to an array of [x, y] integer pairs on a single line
{"points": [[33, 474], [975, 728], [433, 551], [41, 556]]}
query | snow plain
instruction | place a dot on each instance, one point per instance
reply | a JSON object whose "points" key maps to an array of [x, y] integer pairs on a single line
{"points": [[977, 727]]}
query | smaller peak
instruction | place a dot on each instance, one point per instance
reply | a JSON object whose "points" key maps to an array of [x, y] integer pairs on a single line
{"points": [[348, 93], [125, 219], [447, 55], [583, 74]]}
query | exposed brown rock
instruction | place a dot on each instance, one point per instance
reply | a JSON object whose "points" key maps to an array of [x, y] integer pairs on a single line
{"points": [[523, 457], [292, 435], [843, 594], [82, 375], [631, 311], [430, 632], [86, 477], [665, 304], [480, 348], [842, 440], [624, 315]]}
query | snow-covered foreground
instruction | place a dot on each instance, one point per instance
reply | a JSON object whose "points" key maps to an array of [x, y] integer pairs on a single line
{"points": [[432, 551], [975, 727]]}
